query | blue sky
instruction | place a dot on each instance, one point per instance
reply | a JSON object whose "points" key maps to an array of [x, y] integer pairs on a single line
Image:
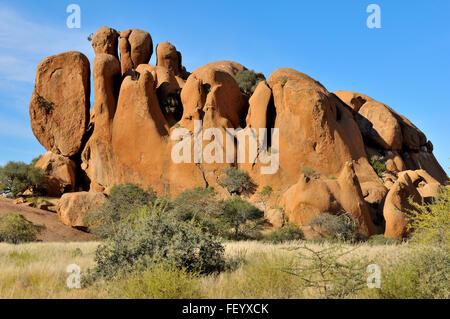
{"points": [[405, 64]]}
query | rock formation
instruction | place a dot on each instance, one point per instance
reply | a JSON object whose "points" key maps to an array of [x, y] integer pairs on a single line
{"points": [[72, 207], [60, 173], [328, 143], [136, 47], [59, 107], [169, 58]]}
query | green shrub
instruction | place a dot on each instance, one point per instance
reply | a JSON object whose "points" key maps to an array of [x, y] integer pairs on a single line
{"points": [[200, 207], [337, 227], [424, 273], [308, 171], [15, 229], [288, 232], [236, 181], [159, 238], [248, 80], [242, 218], [159, 282], [17, 177], [430, 223], [378, 165], [381, 240], [123, 200]]}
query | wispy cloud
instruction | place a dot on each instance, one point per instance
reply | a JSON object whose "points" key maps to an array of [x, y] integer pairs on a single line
{"points": [[25, 43]]}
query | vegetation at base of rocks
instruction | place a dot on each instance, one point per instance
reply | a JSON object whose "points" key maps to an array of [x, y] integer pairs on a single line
{"points": [[242, 218], [236, 181], [337, 227], [17, 177], [15, 229], [423, 273], [156, 237], [381, 240], [328, 273], [199, 206], [123, 200], [248, 81], [158, 281], [430, 223], [37, 201], [378, 165], [287, 232]]}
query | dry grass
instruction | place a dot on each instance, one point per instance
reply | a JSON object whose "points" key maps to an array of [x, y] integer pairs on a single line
{"points": [[38, 270]]}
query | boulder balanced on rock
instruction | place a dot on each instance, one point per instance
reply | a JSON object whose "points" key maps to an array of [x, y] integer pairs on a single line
{"points": [[59, 107]]}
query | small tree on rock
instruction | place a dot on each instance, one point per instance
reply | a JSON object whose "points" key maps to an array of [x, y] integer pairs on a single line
{"points": [[236, 181]]}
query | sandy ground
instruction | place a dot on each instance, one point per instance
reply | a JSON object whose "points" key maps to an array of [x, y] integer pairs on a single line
{"points": [[54, 230]]}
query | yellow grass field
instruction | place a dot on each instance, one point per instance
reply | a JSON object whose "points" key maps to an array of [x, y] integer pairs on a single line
{"points": [[38, 270]]}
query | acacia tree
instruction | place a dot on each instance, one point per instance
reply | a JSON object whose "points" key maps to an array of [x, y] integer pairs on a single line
{"points": [[241, 216], [17, 177], [236, 181]]}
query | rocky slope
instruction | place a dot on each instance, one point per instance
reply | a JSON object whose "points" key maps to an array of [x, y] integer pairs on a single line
{"points": [[328, 141]]}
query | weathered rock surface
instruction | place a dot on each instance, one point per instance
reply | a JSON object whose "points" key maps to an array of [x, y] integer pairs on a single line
{"points": [[97, 157], [136, 47], [60, 173], [59, 107], [397, 203], [140, 131], [105, 40], [382, 127], [168, 57], [314, 195], [72, 207], [379, 125]]}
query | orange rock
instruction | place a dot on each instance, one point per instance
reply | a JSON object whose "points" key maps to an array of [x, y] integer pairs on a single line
{"points": [[230, 67], [316, 130], [73, 207], [105, 40], [425, 160], [136, 47], [60, 173], [314, 195], [213, 96], [259, 105], [97, 157], [59, 107], [353, 99], [397, 202], [168, 57], [380, 126], [140, 132]]}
